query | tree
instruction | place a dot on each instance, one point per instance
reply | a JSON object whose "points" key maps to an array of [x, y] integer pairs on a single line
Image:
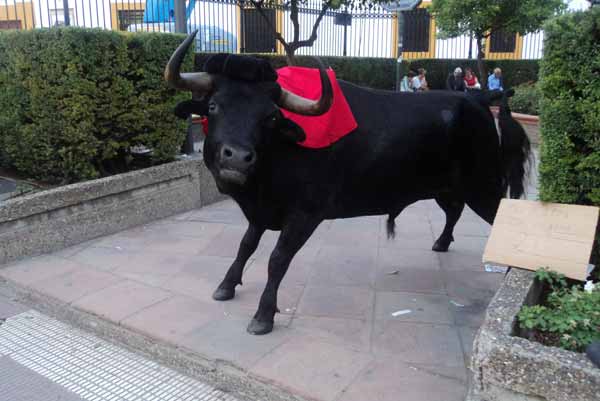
{"points": [[294, 7], [482, 17]]}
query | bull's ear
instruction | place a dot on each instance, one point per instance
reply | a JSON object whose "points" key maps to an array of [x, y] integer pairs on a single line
{"points": [[187, 107], [291, 131]]}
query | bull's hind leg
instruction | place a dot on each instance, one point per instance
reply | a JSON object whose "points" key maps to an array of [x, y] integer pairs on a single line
{"points": [[226, 289], [453, 208]]}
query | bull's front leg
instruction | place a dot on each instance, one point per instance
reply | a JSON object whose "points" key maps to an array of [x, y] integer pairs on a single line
{"points": [[226, 289], [293, 236]]}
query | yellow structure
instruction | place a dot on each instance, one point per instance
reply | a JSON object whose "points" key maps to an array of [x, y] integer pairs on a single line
{"points": [[278, 26], [515, 55], [415, 55], [17, 16], [116, 7]]}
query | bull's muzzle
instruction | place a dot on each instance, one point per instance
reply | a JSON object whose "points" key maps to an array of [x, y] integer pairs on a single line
{"points": [[235, 164]]}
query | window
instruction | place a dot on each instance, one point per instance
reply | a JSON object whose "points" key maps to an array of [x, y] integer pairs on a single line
{"points": [[503, 42], [130, 17], [258, 37], [416, 30], [57, 17], [10, 24]]}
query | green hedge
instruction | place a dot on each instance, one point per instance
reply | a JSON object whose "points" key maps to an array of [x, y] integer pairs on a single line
{"points": [[570, 109], [526, 99], [372, 72], [381, 73], [74, 100]]}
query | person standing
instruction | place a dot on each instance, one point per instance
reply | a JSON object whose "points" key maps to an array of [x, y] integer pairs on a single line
{"points": [[455, 81], [495, 80]]}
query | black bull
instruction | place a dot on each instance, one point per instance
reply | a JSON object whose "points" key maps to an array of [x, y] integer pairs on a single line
{"points": [[407, 147]]}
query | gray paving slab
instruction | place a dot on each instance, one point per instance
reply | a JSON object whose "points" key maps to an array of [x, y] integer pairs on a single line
{"points": [[344, 302], [18, 383], [9, 308], [226, 339], [434, 344], [313, 368], [412, 307], [350, 333], [389, 379], [344, 266]]}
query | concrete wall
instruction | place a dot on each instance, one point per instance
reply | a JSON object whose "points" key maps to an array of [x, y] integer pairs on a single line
{"points": [[51, 220]]}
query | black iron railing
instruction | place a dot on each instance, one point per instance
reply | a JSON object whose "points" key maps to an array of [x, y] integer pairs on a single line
{"points": [[230, 26]]}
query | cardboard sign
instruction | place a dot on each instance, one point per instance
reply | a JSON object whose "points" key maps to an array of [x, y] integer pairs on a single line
{"points": [[531, 235]]}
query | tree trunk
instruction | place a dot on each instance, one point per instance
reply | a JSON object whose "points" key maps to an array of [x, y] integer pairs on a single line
{"points": [[290, 57], [480, 65]]}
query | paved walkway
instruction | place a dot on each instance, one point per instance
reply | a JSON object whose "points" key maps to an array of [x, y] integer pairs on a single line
{"points": [[363, 317]]}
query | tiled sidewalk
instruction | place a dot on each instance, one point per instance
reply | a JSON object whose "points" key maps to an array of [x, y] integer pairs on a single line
{"points": [[336, 338]]}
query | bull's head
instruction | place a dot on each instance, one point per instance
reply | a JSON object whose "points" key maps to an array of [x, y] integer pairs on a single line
{"points": [[244, 118]]}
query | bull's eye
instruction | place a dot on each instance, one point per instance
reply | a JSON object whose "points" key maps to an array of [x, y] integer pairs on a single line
{"points": [[270, 122], [212, 107]]}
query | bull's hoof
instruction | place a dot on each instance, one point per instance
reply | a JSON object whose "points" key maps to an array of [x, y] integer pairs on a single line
{"points": [[441, 245], [223, 294], [258, 327]]}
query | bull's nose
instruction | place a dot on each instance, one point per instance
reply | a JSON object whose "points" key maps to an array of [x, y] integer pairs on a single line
{"points": [[237, 158]]}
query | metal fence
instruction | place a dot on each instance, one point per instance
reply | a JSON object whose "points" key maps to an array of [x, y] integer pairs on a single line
{"points": [[236, 26]]}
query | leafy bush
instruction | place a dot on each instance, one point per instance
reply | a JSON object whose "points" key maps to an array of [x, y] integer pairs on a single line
{"points": [[380, 73], [570, 109], [74, 100], [569, 318], [526, 100], [158, 128]]}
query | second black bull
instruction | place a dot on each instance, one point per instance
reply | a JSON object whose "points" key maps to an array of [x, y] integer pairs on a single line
{"points": [[407, 147]]}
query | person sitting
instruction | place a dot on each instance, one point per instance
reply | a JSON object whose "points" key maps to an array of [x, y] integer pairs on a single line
{"points": [[495, 80], [420, 82], [407, 82], [471, 81], [455, 81]]}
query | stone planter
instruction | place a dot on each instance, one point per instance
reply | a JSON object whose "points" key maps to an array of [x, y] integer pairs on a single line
{"points": [[530, 123], [511, 368], [51, 220]]}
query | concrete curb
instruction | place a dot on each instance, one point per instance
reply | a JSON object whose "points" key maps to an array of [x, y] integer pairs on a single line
{"points": [[218, 373]]}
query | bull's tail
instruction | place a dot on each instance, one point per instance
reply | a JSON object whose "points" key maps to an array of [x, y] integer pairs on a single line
{"points": [[391, 226], [516, 149]]}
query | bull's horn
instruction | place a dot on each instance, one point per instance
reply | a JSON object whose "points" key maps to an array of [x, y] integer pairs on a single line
{"points": [[194, 81], [299, 105]]}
